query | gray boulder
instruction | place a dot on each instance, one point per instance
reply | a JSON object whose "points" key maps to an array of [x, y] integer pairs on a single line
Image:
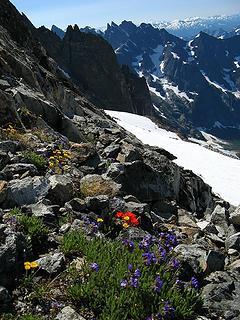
{"points": [[133, 234], [75, 204], [5, 297], [65, 228], [141, 181], [4, 159], [111, 151], [128, 153], [11, 170], [130, 198], [25, 191], [221, 296], [97, 203], [235, 216], [165, 210], [215, 261], [61, 189], [9, 146], [52, 263], [235, 266], [186, 219], [116, 204], [12, 252], [43, 210], [136, 207], [220, 220], [94, 185], [193, 256], [233, 242], [68, 313]]}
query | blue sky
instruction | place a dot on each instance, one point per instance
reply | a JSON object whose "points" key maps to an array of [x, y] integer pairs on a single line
{"points": [[97, 13]]}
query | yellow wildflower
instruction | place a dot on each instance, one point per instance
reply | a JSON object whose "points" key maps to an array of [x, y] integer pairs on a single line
{"points": [[126, 218], [125, 225], [34, 264], [99, 220], [67, 155], [30, 265], [27, 265]]}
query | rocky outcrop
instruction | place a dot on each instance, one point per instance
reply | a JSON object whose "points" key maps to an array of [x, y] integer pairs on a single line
{"points": [[92, 64]]}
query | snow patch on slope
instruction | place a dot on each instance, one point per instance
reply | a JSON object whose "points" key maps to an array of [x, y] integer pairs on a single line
{"points": [[170, 87], [155, 57], [227, 78], [219, 171]]}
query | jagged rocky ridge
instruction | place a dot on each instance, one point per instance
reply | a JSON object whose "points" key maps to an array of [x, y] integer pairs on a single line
{"points": [[91, 63], [194, 84], [48, 109]]}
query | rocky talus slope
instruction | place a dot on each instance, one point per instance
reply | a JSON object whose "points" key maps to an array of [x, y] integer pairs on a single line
{"points": [[64, 165]]}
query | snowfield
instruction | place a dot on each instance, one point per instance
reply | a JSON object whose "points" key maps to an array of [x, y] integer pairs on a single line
{"points": [[221, 172]]}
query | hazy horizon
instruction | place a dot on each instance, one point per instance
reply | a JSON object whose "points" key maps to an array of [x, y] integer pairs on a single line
{"points": [[98, 13]]}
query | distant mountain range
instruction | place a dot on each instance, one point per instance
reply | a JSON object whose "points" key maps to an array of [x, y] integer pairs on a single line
{"points": [[223, 26], [193, 83], [219, 26]]}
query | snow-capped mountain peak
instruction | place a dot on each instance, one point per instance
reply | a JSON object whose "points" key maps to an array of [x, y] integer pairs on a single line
{"points": [[189, 27]]}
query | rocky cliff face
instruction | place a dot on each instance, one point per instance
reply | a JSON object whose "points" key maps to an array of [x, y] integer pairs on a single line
{"points": [[63, 158], [92, 64]]}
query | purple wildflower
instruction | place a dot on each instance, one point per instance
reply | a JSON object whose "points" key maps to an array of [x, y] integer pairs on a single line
{"points": [[130, 267], [168, 310], [131, 246], [146, 243], [149, 258], [179, 283], [56, 305], [123, 283], [125, 242], [158, 284], [169, 240], [195, 283], [12, 220], [94, 266], [134, 282], [154, 259], [163, 253], [175, 264], [137, 273]]}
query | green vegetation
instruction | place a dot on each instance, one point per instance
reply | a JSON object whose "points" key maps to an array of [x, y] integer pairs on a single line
{"points": [[39, 161], [65, 218], [31, 226], [30, 317], [129, 281]]}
